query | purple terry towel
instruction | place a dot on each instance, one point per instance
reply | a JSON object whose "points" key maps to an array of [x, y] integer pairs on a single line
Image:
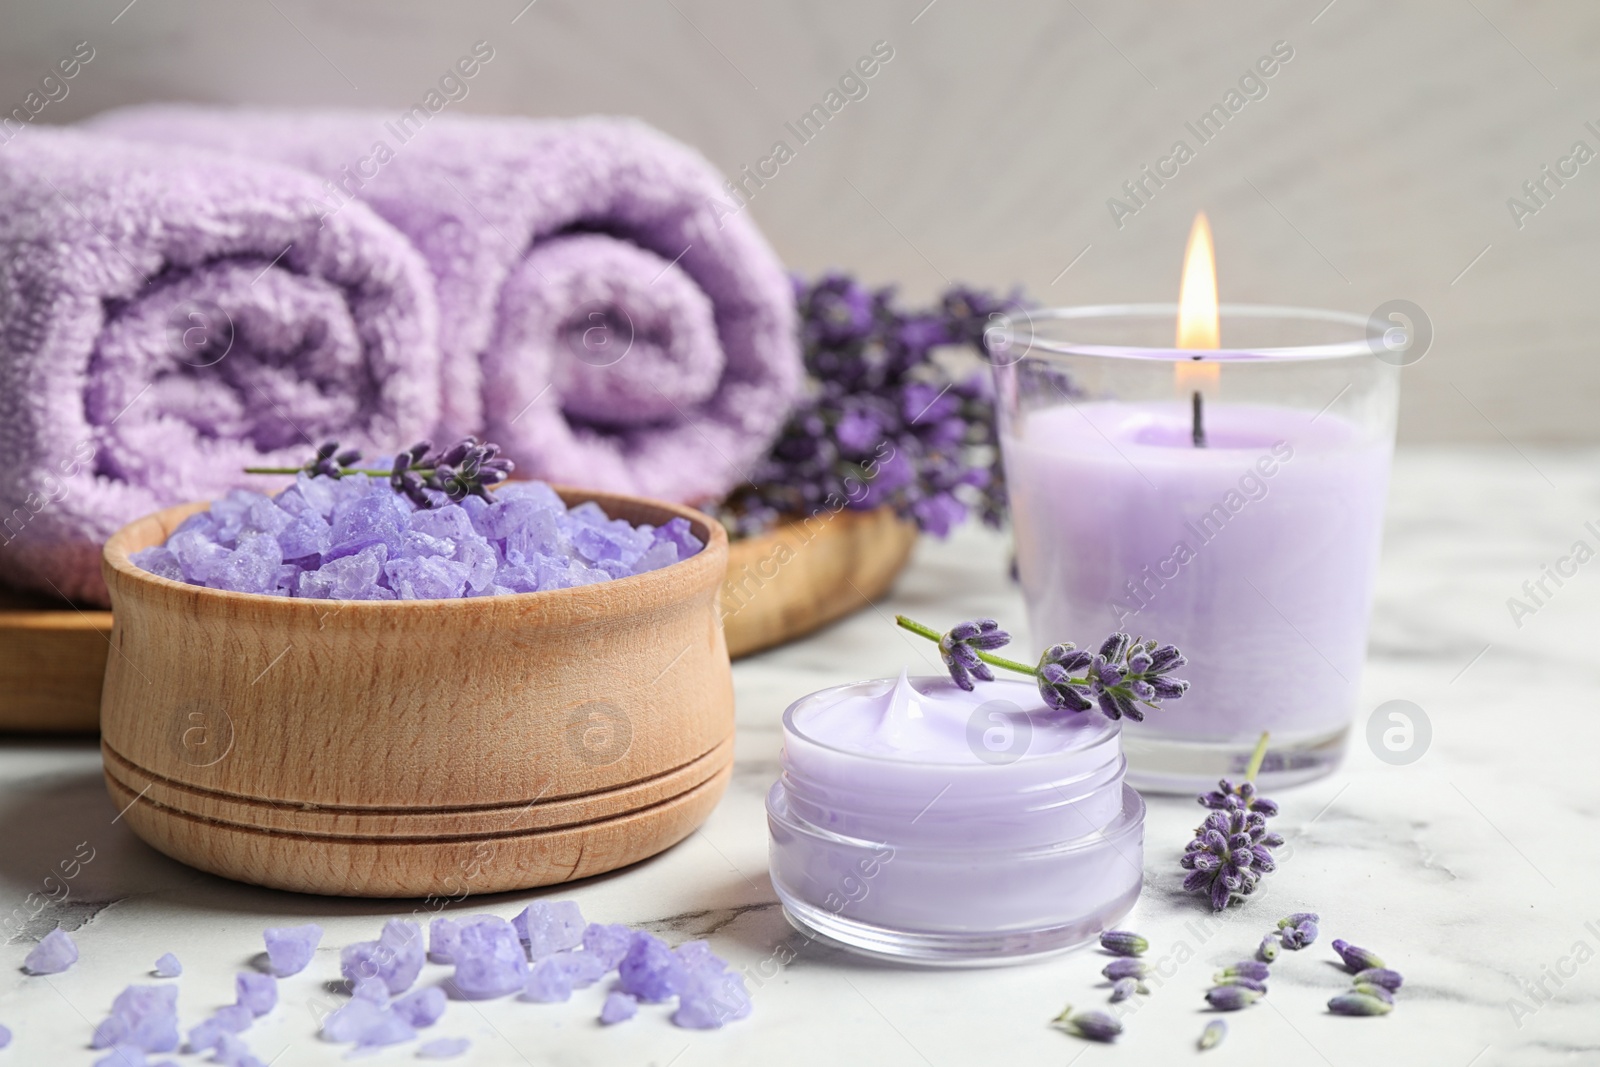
{"points": [[606, 317], [170, 315]]}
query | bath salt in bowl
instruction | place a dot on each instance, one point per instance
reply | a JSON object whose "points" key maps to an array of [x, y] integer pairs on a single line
{"points": [[478, 741]]}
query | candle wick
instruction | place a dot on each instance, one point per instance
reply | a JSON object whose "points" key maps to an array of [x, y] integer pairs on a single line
{"points": [[1199, 420]]}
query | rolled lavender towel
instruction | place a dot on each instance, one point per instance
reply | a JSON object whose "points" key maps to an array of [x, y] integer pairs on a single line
{"points": [[169, 315], [606, 317]]}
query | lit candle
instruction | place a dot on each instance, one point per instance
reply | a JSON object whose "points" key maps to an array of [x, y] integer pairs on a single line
{"points": [[918, 821], [1255, 554]]}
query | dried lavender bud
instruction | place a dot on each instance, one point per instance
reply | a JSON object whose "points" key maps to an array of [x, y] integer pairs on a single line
{"points": [[1231, 997], [1268, 950], [1126, 968], [1123, 943], [1358, 1004], [1213, 1034], [1123, 988], [1299, 936], [1355, 957], [1297, 918], [1370, 990], [1093, 1025], [1381, 976], [1239, 980], [959, 649], [1227, 796], [1246, 969]]}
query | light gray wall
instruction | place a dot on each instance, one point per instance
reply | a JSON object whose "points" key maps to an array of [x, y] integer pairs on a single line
{"points": [[1377, 166]]}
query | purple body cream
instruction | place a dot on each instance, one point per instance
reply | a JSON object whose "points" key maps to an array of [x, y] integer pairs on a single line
{"points": [[917, 821]]}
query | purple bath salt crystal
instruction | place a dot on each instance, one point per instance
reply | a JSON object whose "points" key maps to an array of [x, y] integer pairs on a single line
{"points": [[619, 1007], [546, 927], [142, 1016], [489, 958], [231, 1051], [443, 1048], [5, 1036], [548, 983], [607, 943], [421, 1008], [123, 1056], [679, 533], [370, 519], [366, 1024], [159, 561], [289, 948], [426, 578], [250, 568], [168, 966], [583, 969], [647, 970], [396, 957], [308, 534], [258, 992], [372, 989], [54, 953], [444, 934], [235, 1018], [710, 996]]}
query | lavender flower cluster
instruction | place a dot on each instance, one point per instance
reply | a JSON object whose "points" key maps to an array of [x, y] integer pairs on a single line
{"points": [[1232, 848], [543, 954], [886, 422]]}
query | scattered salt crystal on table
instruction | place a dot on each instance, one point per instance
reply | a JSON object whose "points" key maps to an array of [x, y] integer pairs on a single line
{"points": [[290, 948], [489, 959], [549, 982], [168, 966], [646, 971], [54, 953], [396, 956], [355, 538], [619, 1007], [421, 1008], [608, 943], [5, 1036], [231, 1051], [546, 928], [373, 989], [443, 936], [258, 992], [443, 1048], [142, 1016]]}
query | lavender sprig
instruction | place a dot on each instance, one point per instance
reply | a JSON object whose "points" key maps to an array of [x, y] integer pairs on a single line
{"points": [[466, 468], [1232, 848], [1126, 676]]}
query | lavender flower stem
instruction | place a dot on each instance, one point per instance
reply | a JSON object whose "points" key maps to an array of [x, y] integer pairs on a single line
{"points": [[1257, 757], [987, 657]]}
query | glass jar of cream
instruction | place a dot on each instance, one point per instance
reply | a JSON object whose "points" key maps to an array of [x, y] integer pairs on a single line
{"points": [[917, 821]]}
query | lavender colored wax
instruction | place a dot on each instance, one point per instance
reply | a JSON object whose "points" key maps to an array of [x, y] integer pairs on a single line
{"points": [[919, 821], [1254, 554]]}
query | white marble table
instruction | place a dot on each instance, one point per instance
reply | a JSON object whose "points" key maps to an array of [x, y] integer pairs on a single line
{"points": [[1473, 870]]}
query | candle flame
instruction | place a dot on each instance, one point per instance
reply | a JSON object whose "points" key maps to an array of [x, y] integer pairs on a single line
{"points": [[1198, 325]]}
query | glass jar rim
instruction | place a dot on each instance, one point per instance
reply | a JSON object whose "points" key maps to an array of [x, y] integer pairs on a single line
{"points": [[1016, 330]]}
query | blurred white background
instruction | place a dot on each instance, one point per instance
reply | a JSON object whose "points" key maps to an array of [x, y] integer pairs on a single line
{"points": [[1377, 165]]}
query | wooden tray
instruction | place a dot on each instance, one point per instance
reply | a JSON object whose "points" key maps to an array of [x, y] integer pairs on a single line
{"points": [[805, 574], [780, 586]]}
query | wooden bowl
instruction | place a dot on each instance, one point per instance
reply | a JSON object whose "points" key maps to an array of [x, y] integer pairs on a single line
{"points": [[805, 573], [409, 748]]}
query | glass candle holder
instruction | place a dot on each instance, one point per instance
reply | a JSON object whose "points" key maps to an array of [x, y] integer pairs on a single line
{"points": [[1228, 501], [918, 822]]}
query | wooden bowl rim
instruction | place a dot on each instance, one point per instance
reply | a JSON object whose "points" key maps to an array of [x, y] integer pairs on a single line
{"points": [[704, 569]]}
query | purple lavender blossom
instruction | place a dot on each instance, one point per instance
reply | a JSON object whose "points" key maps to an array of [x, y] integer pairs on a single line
{"points": [[1357, 958], [959, 649], [1300, 935], [1227, 795], [1381, 976], [1125, 968], [1359, 1004], [1090, 1025], [1229, 854], [1213, 1034], [1123, 943], [886, 423], [1231, 997]]}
